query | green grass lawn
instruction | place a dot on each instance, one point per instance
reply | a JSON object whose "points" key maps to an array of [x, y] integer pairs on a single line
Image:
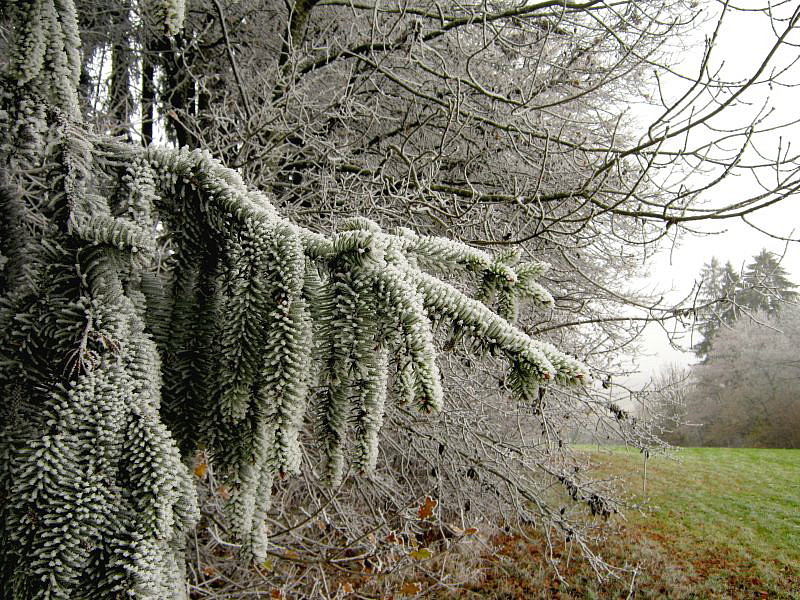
{"points": [[732, 514], [722, 523]]}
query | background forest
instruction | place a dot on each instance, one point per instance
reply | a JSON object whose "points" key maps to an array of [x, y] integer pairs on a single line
{"points": [[388, 346]]}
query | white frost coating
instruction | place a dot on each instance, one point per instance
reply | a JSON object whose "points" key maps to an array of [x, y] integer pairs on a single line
{"points": [[46, 56]]}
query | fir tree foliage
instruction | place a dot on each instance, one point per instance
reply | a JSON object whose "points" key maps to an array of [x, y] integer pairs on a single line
{"points": [[719, 289], [766, 284], [118, 361]]}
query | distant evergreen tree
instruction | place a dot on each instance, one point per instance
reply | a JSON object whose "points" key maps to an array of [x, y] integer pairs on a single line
{"points": [[765, 285], [718, 298], [118, 361]]}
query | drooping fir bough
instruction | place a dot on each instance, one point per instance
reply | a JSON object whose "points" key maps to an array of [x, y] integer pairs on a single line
{"points": [[151, 305]]}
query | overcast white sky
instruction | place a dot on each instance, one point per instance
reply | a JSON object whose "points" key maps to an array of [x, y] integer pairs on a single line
{"points": [[745, 38]]}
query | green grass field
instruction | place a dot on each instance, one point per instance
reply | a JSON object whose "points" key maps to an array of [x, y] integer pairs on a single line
{"points": [[723, 523]]}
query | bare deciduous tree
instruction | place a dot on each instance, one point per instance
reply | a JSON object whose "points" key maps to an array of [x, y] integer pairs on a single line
{"points": [[746, 393]]}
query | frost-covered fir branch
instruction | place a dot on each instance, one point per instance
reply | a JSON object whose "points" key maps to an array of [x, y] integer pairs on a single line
{"points": [[119, 362]]}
